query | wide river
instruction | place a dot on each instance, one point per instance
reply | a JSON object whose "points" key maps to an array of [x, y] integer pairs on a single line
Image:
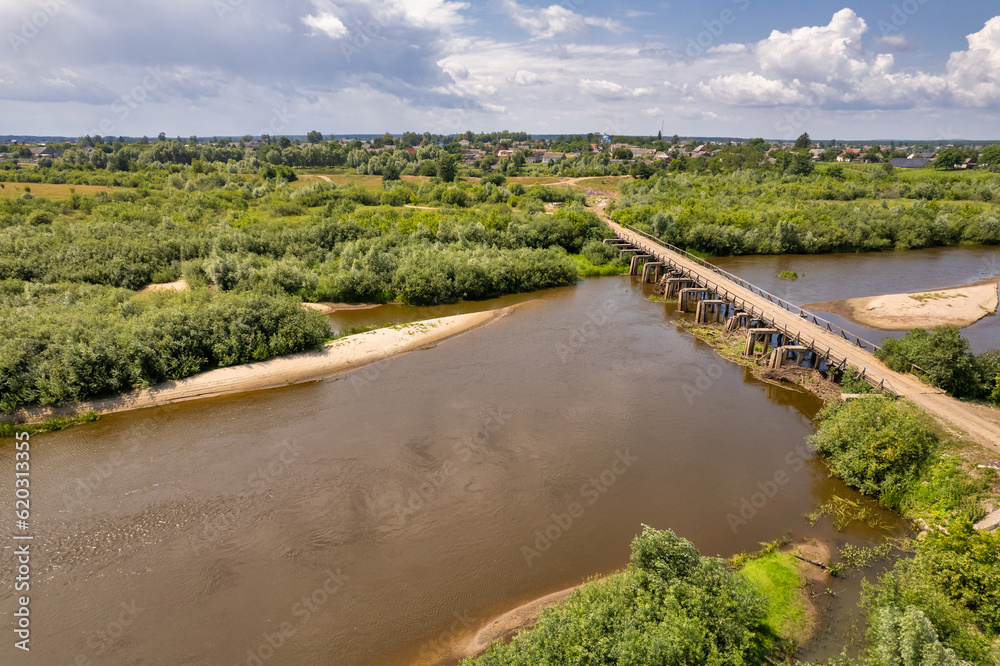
{"points": [[372, 518]]}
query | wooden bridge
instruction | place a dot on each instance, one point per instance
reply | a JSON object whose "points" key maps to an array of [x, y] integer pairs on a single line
{"points": [[794, 337]]}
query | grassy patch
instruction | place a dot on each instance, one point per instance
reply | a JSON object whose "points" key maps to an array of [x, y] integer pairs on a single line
{"points": [[788, 275], [609, 184], [50, 191], [587, 268], [777, 577], [53, 424], [923, 298]]}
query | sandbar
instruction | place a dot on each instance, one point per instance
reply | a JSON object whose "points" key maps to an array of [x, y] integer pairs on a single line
{"points": [[955, 306]]}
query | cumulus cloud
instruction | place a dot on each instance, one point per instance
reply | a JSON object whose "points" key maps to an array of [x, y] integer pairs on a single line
{"points": [[555, 20], [611, 90], [327, 24], [823, 66], [526, 78], [974, 75], [897, 42]]}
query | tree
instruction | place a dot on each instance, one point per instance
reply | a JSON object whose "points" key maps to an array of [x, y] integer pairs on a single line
{"points": [[621, 153], [314, 137], [447, 167], [803, 142], [162, 136], [674, 140], [948, 158], [942, 354], [990, 156], [642, 170], [284, 142]]}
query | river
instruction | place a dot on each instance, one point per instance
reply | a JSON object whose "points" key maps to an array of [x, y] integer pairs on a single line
{"points": [[371, 518]]}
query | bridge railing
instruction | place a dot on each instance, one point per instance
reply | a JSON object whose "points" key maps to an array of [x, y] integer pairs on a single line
{"points": [[838, 362], [777, 300]]}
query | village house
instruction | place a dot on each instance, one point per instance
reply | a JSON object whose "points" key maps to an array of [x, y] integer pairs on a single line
{"points": [[909, 162], [849, 155]]}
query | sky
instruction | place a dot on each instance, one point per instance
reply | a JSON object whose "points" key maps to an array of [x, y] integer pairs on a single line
{"points": [[845, 70]]}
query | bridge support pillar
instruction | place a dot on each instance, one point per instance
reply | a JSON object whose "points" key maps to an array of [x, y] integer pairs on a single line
{"points": [[674, 286], [787, 356], [738, 321], [688, 298], [755, 335], [651, 271], [710, 311], [633, 267]]}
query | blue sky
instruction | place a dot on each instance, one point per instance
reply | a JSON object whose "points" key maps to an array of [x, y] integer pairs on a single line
{"points": [[845, 70]]}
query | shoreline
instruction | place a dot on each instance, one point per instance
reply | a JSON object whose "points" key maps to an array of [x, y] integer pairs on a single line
{"points": [[959, 306], [334, 358]]}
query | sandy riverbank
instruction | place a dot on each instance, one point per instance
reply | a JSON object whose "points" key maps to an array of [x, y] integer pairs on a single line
{"points": [[957, 306], [179, 285], [334, 358], [330, 308]]}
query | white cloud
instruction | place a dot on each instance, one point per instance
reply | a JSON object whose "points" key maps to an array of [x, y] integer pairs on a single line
{"points": [[751, 89], [456, 70], [611, 90], [430, 13], [822, 67], [655, 111], [554, 20], [821, 53], [327, 24], [896, 42], [728, 48], [526, 78], [974, 75]]}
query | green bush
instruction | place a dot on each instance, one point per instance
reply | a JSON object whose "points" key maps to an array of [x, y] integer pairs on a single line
{"points": [[944, 358], [952, 586], [671, 606], [876, 445]]}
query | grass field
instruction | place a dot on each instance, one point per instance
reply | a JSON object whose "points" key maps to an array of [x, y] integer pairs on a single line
{"points": [[778, 578], [609, 184], [54, 192]]}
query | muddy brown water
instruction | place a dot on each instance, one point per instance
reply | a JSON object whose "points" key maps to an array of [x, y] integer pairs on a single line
{"points": [[373, 518], [841, 276]]}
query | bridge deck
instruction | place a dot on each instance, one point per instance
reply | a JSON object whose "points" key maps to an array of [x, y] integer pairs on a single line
{"points": [[980, 423]]}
